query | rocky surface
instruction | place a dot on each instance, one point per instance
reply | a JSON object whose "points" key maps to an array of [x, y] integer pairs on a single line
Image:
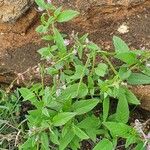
{"points": [[11, 10]]}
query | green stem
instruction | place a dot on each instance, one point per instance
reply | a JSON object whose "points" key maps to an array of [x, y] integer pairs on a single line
{"points": [[86, 64], [110, 64]]}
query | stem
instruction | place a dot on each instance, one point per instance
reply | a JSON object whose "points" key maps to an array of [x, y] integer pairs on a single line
{"points": [[83, 74], [110, 64]]}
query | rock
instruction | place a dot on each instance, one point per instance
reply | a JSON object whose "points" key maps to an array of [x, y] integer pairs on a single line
{"points": [[143, 93], [22, 24], [11, 10], [86, 4]]}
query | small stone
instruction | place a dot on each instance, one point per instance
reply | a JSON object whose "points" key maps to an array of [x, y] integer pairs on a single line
{"points": [[123, 29]]}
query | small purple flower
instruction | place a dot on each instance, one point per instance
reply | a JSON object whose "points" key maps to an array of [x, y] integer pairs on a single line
{"points": [[49, 1], [66, 42]]}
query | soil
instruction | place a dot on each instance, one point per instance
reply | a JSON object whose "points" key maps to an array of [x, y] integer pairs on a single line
{"points": [[100, 24]]}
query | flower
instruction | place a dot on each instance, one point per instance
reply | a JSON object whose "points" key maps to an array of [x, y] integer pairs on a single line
{"points": [[49, 1], [66, 42]]}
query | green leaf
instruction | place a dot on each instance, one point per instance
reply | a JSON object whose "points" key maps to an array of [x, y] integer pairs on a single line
{"points": [[91, 85], [45, 141], [27, 94], [54, 138], [88, 123], [127, 57], [29, 143], [92, 133], [101, 69], [52, 71], [48, 37], [84, 106], [122, 113], [45, 52], [59, 41], [41, 4], [120, 45], [140, 146], [65, 140], [138, 79], [124, 73], [75, 143], [63, 118], [57, 11], [81, 71], [104, 144], [119, 129], [80, 133], [131, 140], [93, 46], [45, 112], [41, 29], [75, 90], [131, 98], [106, 103], [67, 15]]}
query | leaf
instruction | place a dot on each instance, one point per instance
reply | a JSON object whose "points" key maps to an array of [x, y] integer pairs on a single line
{"points": [[124, 73], [57, 11], [67, 15], [41, 4], [29, 143], [45, 112], [104, 144], [59, 41], [120, 45], [27, 94], [93, 46], [138, 79], [81, 71], [131, 98], [62, 118], [101, 69], [91, 85], [91, 122], [130, 140], [54, 138], [92, 133], [106, 103], [140, 146], [48, 37], [84, 106], [65, 140], [41, 29], [75, 143], [45, 141], [75, 90], [127, 57], [51, 71], [80, 133], [119, 129], [45, 52], [122, 113]]}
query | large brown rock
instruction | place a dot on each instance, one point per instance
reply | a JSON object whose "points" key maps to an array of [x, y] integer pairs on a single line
{"points": [[11, 10]]}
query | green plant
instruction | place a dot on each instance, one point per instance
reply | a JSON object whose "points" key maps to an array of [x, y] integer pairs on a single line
{"points": [[65, 112], [9, 118]]}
